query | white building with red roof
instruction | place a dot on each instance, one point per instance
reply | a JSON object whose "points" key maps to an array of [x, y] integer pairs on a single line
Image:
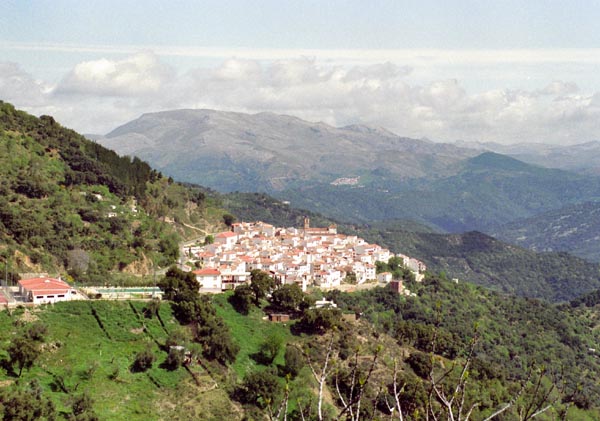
{"points": [[209, 279], [47, 290], [227, 239]]}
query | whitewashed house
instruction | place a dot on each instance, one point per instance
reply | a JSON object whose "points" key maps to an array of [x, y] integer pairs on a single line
{"points": [[47, 290]]}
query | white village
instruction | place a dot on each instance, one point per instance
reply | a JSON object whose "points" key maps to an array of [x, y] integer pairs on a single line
{"points": [[307, 256]]}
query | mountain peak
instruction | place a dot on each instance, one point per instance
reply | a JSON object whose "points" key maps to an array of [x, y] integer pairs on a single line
{"points": [[499, 161]]}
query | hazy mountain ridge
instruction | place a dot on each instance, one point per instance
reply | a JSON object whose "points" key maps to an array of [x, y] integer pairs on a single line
{"points": [[440, 185], [583, 157], [575, 229], [268, 152]]}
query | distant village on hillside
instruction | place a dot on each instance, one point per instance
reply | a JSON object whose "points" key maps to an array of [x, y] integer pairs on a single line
{"points": [[306, 256]]}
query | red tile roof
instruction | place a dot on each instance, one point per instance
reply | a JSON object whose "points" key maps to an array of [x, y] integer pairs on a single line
{"points": [[226, 234], [207, 272], [45, 285]]}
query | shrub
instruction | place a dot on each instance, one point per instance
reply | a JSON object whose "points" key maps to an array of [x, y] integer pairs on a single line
{"points": [[143, 361]]}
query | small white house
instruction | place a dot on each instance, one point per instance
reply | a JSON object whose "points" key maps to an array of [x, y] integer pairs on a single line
{"points": [[384, 277], [209, 279], [47, 290]]}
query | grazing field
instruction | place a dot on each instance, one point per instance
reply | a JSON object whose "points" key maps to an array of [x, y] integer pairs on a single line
{"points": [[250, 332], [90, 347]]}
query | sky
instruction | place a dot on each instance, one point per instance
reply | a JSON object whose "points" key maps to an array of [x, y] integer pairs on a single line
{"points": [[485, 71]]}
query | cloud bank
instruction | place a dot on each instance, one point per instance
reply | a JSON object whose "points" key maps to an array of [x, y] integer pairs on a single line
{"points": [[97, 95]]}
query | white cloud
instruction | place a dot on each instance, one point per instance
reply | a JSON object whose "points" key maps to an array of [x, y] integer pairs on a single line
{"points": [[19, 86], [98, 95], [140, 74]]}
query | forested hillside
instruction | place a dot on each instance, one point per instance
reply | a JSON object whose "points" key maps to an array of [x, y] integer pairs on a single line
{"points": [[472, 257], [575, 229], [69, 203], [216, 357], [487, 191]]}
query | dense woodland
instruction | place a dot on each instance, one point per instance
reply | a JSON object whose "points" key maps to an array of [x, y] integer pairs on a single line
{"points": [[472, 256]]}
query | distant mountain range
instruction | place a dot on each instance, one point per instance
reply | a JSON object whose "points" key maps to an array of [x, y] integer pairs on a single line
{"points": [[360, 174], [268, 152], [487, 191], [583, 157]]}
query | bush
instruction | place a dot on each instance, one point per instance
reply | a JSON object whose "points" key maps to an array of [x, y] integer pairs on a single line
{"points": [[175, 358], [143, 361], [319, 320], [294, 361], [242, 299], [420, 363], [258, 388]]}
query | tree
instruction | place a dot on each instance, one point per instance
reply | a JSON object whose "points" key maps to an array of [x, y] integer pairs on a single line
{"points": [[209, 239], [260, 283], [219, 346], [152, 308], [242, 299], [294, 361], [28, 404], [183, 289], [169, 246], [259, 388], [288, 297], [319, 320], [269, 349], [175, 357], [23, 352], [143, 361], [36, 331], [179, 286], [82, 407], [228, 219]]}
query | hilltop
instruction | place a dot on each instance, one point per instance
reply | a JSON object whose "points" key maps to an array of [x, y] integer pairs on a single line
{"points": [[67, 203], [267, 152], [582, 157], [473, 256]]}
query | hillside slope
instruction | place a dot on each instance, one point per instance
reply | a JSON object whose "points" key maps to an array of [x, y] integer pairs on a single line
{"points": [[472, 256], [67, 203], [515, 335], [487, 191], [583, 158], [480, 259], [575, 229]]}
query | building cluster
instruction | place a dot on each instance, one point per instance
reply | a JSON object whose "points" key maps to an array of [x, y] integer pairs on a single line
{"points": [[306, 256]]}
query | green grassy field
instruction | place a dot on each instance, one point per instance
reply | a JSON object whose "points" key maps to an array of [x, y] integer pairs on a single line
{"points": [[90, 347], [249, 332]]}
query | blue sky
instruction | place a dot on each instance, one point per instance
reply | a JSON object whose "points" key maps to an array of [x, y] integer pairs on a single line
{"points": [[504, 71]]}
